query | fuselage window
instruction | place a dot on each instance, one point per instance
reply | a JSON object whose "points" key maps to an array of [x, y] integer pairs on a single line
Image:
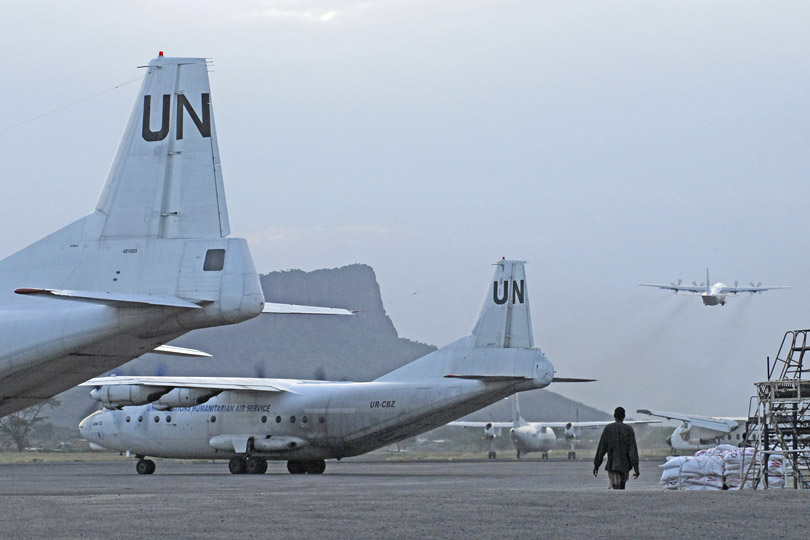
{"points": [[128, 419], [278, 419], [321, 420], [292, 419], [168, 418], [264, 419], [214, 260], [140, 419], [738, 436], [305, 419], [213, 419], [157, 419]]}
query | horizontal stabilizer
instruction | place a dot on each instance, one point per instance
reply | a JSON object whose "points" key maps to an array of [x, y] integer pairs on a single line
{"points": [[571, 379], [489, 378], [112, 299], [171, 350], [292, 309]]}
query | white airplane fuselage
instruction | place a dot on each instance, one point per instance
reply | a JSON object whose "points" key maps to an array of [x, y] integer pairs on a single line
{"points": [[695, 438], [714, 297], [314, 420], [533, 437]]}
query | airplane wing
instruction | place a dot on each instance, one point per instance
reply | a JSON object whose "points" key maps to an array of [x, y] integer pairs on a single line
{"points": [[594, 424], [482, 424], [735, 290], [720, 425], [292, 309], [211, 383], [171, 350], [677, 288]]}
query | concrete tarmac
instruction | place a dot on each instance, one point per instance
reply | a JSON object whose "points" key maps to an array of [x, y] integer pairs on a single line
{"points": [[364, 498]]}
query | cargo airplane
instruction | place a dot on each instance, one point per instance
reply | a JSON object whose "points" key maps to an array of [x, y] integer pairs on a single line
{"points": [[250, 421], [536, 436], [698, 432], [151, 262], [713, 295]]}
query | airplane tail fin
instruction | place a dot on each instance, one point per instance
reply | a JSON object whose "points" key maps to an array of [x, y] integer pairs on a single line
{"points": [[166, 180], [517, 419], [500, 347], [505, 319], [160, 225], [708, 286]]}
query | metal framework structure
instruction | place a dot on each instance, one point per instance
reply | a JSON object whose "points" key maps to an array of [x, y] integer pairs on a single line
{"points": [[781, 421]]}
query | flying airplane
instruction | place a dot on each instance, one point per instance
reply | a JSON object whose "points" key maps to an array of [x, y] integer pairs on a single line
{"points": [[713, 295], [151, 262], [249, 421], [698, 432], [536, 436]]}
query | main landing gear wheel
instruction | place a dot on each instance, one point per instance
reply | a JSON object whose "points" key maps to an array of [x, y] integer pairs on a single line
{"points": [[255, 465], [518, 454], [572, 455], [316, 466], [545, 455], [145, 466], [492, 455], [237, 465]]}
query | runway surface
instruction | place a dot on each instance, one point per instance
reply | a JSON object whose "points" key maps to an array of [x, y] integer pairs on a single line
{"points": [[378, 499]]}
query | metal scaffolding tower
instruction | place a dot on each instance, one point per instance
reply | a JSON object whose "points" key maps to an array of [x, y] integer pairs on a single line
{"points": [[781, 421]]}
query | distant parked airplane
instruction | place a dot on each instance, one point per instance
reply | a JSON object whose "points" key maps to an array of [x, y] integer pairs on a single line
{"points": [[698, 432], [713, 295], [536, 436]]}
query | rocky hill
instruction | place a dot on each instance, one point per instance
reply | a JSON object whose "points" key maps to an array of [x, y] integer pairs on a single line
{"points": [[358, 348]]}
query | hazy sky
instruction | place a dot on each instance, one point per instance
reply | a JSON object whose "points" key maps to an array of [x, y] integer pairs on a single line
{"points": [[606, 143]]}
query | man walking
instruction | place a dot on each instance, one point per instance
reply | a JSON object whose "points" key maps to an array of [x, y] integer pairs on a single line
{"points": [[619, 442]]}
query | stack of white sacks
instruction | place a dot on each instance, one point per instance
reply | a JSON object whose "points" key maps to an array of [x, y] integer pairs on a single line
{"points": [[722, 467]]}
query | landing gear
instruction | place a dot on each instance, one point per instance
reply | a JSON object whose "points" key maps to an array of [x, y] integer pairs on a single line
{"points": [[315, 466], [145, 466], [518, 454], [247, 465], [237, 465], [492, 455], [572, 455], [255, 465], [544, 455]]}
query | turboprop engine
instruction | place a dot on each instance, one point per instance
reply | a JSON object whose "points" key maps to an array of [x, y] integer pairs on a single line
{"points": [[184, 397], [570, 433], [122, 395], [490, 432]]}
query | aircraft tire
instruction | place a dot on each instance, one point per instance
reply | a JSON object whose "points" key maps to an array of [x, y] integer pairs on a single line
{"points": [[237, 465], [255, 465], [296, 467], [316, 467], [145, 466]]}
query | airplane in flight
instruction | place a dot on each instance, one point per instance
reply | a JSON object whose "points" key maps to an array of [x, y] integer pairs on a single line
{"points": [[250, 421], [716, 294], [536, 436], [151, 262], [698, 432]]}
